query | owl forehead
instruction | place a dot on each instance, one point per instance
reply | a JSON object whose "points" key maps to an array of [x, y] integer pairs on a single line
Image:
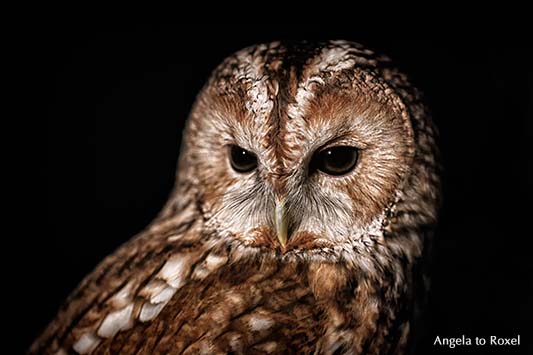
{"points": [[273, 88]]}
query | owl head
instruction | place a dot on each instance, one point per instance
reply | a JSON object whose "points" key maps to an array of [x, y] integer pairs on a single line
{"points": [[309, 151]]}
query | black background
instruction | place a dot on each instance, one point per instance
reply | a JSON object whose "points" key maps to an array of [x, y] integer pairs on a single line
{"points": [[108, 106]]}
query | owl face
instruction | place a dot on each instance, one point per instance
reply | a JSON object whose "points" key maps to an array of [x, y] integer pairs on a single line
{"points": [[298, 150]]}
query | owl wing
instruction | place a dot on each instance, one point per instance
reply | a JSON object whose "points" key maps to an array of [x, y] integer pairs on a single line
{"points": [[130, 286]]}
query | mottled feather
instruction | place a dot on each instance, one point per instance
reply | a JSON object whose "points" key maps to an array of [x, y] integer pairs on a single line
{"points": [[209, 275]]}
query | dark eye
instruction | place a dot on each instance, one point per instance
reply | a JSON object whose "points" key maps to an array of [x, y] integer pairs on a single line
{"points": [[335, 160], [242, 160]]}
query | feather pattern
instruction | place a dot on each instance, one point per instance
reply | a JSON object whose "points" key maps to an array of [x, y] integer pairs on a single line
{"points": [[209, 274]]}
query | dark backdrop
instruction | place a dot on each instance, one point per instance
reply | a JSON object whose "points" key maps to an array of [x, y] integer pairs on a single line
{"points": [[108, 106]]}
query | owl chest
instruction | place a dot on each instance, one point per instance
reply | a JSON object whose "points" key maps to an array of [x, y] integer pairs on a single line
{"points": [[263, 308], [260, 309], [246, 309]]}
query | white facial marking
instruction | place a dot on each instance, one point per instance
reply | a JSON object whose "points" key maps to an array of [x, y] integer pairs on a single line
{"points": [[330, 60], [251, 70], [260, 103], [115, 322], [238, 215], [335, 222], [304, 95], [86, 343]]}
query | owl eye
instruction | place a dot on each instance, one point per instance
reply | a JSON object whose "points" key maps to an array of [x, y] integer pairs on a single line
{"points": [[335, 160], [242, 160]]}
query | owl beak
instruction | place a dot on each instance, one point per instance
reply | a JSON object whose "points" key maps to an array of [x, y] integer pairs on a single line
{"points": [[281, 222]]}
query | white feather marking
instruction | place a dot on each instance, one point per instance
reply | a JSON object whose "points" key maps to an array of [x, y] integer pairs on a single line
{"points": [[260, 103], [375, 227], [206, 348], [235, 341], [61, 352], [200, 273], [257, 322], [268, 347], [173, 271], [160, 293], [149, 311], [153, 288], [260, 99], [86, 343], [173, 238], [330, 60], [164, 295], [211, 263], [123, 297], [115, 322], [304, 95]]}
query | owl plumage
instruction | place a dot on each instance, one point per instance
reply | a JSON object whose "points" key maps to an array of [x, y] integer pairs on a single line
{"points": [[284, 256]]}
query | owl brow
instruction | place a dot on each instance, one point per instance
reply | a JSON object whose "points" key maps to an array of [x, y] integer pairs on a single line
{"points": [[231, 137], [344, 138]]}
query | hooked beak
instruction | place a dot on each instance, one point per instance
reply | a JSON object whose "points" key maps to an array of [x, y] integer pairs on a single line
{"points": [[281, 222]]}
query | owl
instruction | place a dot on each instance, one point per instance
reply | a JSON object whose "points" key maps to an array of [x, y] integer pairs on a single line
{"points": [[301, 220]]}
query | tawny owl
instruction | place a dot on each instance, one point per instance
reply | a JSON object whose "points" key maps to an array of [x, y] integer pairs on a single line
{"points": [[301, 220]]}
